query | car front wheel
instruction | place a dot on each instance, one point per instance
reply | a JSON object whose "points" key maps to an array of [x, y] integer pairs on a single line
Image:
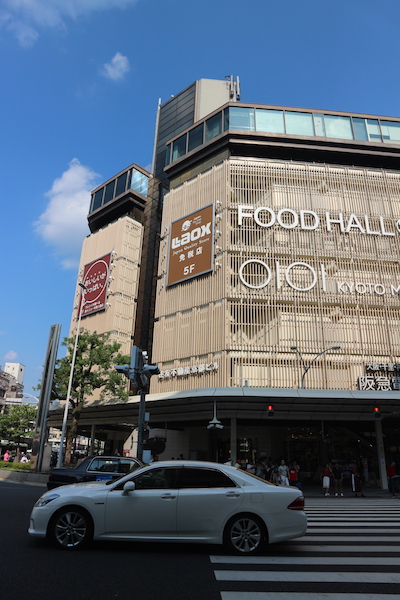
{"points": [[245, 534], [71, 528]]}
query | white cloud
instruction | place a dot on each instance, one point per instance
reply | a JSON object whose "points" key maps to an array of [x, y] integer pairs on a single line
{"points": [[24, 17], [117, 68], [63, 224], [11, 355]]}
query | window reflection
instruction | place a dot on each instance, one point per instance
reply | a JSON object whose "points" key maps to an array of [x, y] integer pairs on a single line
{"points": [[390, 131], [338, 127], [270, 121], [299, 123], [213, 126], [239, 118], [179, 148]]}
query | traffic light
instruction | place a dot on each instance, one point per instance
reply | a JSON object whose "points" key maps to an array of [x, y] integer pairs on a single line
{"points": [[133, 370], [377, 412], [139, 372], [270, 410]]}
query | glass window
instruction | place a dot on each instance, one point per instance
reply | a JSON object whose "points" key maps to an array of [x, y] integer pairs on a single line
{"points": [[319, 125], [121, 184], [109, 193], [104, 466], [196, 137], [168, 155], [213, 127], [191, 477], [98, 199], [390, 131], [270, 121], [299, 123], [157, 479], [374, 133], [338, 127], [139, 182], [237, 117], [360, 129], [125, 465], [179, 148]]}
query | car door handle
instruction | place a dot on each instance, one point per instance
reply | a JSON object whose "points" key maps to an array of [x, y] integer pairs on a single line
{"points": [[168, 497], [232, 495]]}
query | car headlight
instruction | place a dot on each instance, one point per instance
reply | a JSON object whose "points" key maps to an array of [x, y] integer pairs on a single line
{"points": [[43, 500]]}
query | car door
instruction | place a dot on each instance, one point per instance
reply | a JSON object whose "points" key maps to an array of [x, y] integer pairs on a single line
{"points": [[207, 498], [149, 510]]}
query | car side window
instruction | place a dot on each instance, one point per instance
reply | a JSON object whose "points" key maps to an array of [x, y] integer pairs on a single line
{"points": [[103, 465], [157, 479], [192, 477], [126, 466]]}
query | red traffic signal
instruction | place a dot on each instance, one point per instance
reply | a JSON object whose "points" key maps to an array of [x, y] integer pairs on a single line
{"points": [[270, 410], [377, 412]]}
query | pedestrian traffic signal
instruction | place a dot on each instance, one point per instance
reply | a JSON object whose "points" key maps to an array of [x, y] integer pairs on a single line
{"points": [[377, 412], [270, 410], [139, 371]]}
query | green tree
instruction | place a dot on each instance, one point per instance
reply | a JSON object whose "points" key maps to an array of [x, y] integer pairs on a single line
{"points": [[18, 423], [94, 370]]}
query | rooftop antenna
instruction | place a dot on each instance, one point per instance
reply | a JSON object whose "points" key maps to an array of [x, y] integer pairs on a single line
{"points": [[234, 88]]}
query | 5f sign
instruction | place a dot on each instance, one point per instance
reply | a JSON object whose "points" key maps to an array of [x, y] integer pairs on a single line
{"points": [[191, 247]]}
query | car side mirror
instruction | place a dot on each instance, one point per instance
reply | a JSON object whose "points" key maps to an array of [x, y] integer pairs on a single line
{"points": [[129, 487]]}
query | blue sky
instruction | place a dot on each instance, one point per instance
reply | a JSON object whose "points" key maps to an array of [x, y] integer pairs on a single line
{"points": [[80, 81]]}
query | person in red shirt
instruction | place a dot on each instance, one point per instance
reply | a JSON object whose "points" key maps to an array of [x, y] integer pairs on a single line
{"points": [[391, 472]]}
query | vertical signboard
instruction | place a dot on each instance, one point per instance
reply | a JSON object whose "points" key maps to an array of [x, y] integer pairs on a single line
{"points": [[95, 278], [191, 249]]}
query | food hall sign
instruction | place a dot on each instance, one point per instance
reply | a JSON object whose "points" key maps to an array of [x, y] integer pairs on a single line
{"points": [[308, 220]]}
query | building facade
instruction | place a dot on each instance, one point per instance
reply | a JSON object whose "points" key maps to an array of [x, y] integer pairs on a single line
{"points": [[269, 245]]}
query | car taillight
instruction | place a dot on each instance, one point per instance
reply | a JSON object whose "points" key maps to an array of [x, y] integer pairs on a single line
{"points": [[297, 504]]}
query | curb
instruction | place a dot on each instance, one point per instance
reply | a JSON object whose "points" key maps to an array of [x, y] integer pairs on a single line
{"points": [[20, 477]]}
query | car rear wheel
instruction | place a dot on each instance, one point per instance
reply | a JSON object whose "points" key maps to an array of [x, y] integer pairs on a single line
{"points": [[245, 534], [71, 528]]}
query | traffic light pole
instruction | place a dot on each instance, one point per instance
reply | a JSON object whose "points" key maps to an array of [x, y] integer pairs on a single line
{"points": [[142, 408]]}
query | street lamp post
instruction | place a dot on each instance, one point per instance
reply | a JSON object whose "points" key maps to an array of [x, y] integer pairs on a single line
{"points": [[306, 368], [71, 376]]}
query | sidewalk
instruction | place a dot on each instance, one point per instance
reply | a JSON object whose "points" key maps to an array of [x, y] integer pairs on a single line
{"points": [[313, 490]]}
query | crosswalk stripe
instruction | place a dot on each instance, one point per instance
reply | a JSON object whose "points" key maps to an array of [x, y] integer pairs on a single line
{"points": [[367, 554], [312, 576], [303, 596], [326, 548], [307, 560], [350, 538]]}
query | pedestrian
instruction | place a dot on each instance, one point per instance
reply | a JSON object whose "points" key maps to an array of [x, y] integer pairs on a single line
{"points": [[326, 477], [283, 471], [391, 474], [293, 476], [338, 479], [23, 458], [6, 456], [356, 482]]}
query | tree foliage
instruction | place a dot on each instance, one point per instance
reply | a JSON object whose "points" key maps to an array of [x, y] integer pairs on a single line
{"points": [[94, 370], [18, 422]]}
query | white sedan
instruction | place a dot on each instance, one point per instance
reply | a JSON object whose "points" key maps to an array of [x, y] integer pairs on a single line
{"points": [[174, 501]]}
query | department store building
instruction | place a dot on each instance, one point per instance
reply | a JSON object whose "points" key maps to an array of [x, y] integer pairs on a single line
{"points": [[258, 264]]}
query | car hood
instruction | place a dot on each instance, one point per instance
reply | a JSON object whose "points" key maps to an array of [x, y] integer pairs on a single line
{"points": [[65, 490]]}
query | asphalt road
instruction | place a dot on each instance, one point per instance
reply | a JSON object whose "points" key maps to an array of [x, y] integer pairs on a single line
{"points": [[351, 552], [32, 570]]}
